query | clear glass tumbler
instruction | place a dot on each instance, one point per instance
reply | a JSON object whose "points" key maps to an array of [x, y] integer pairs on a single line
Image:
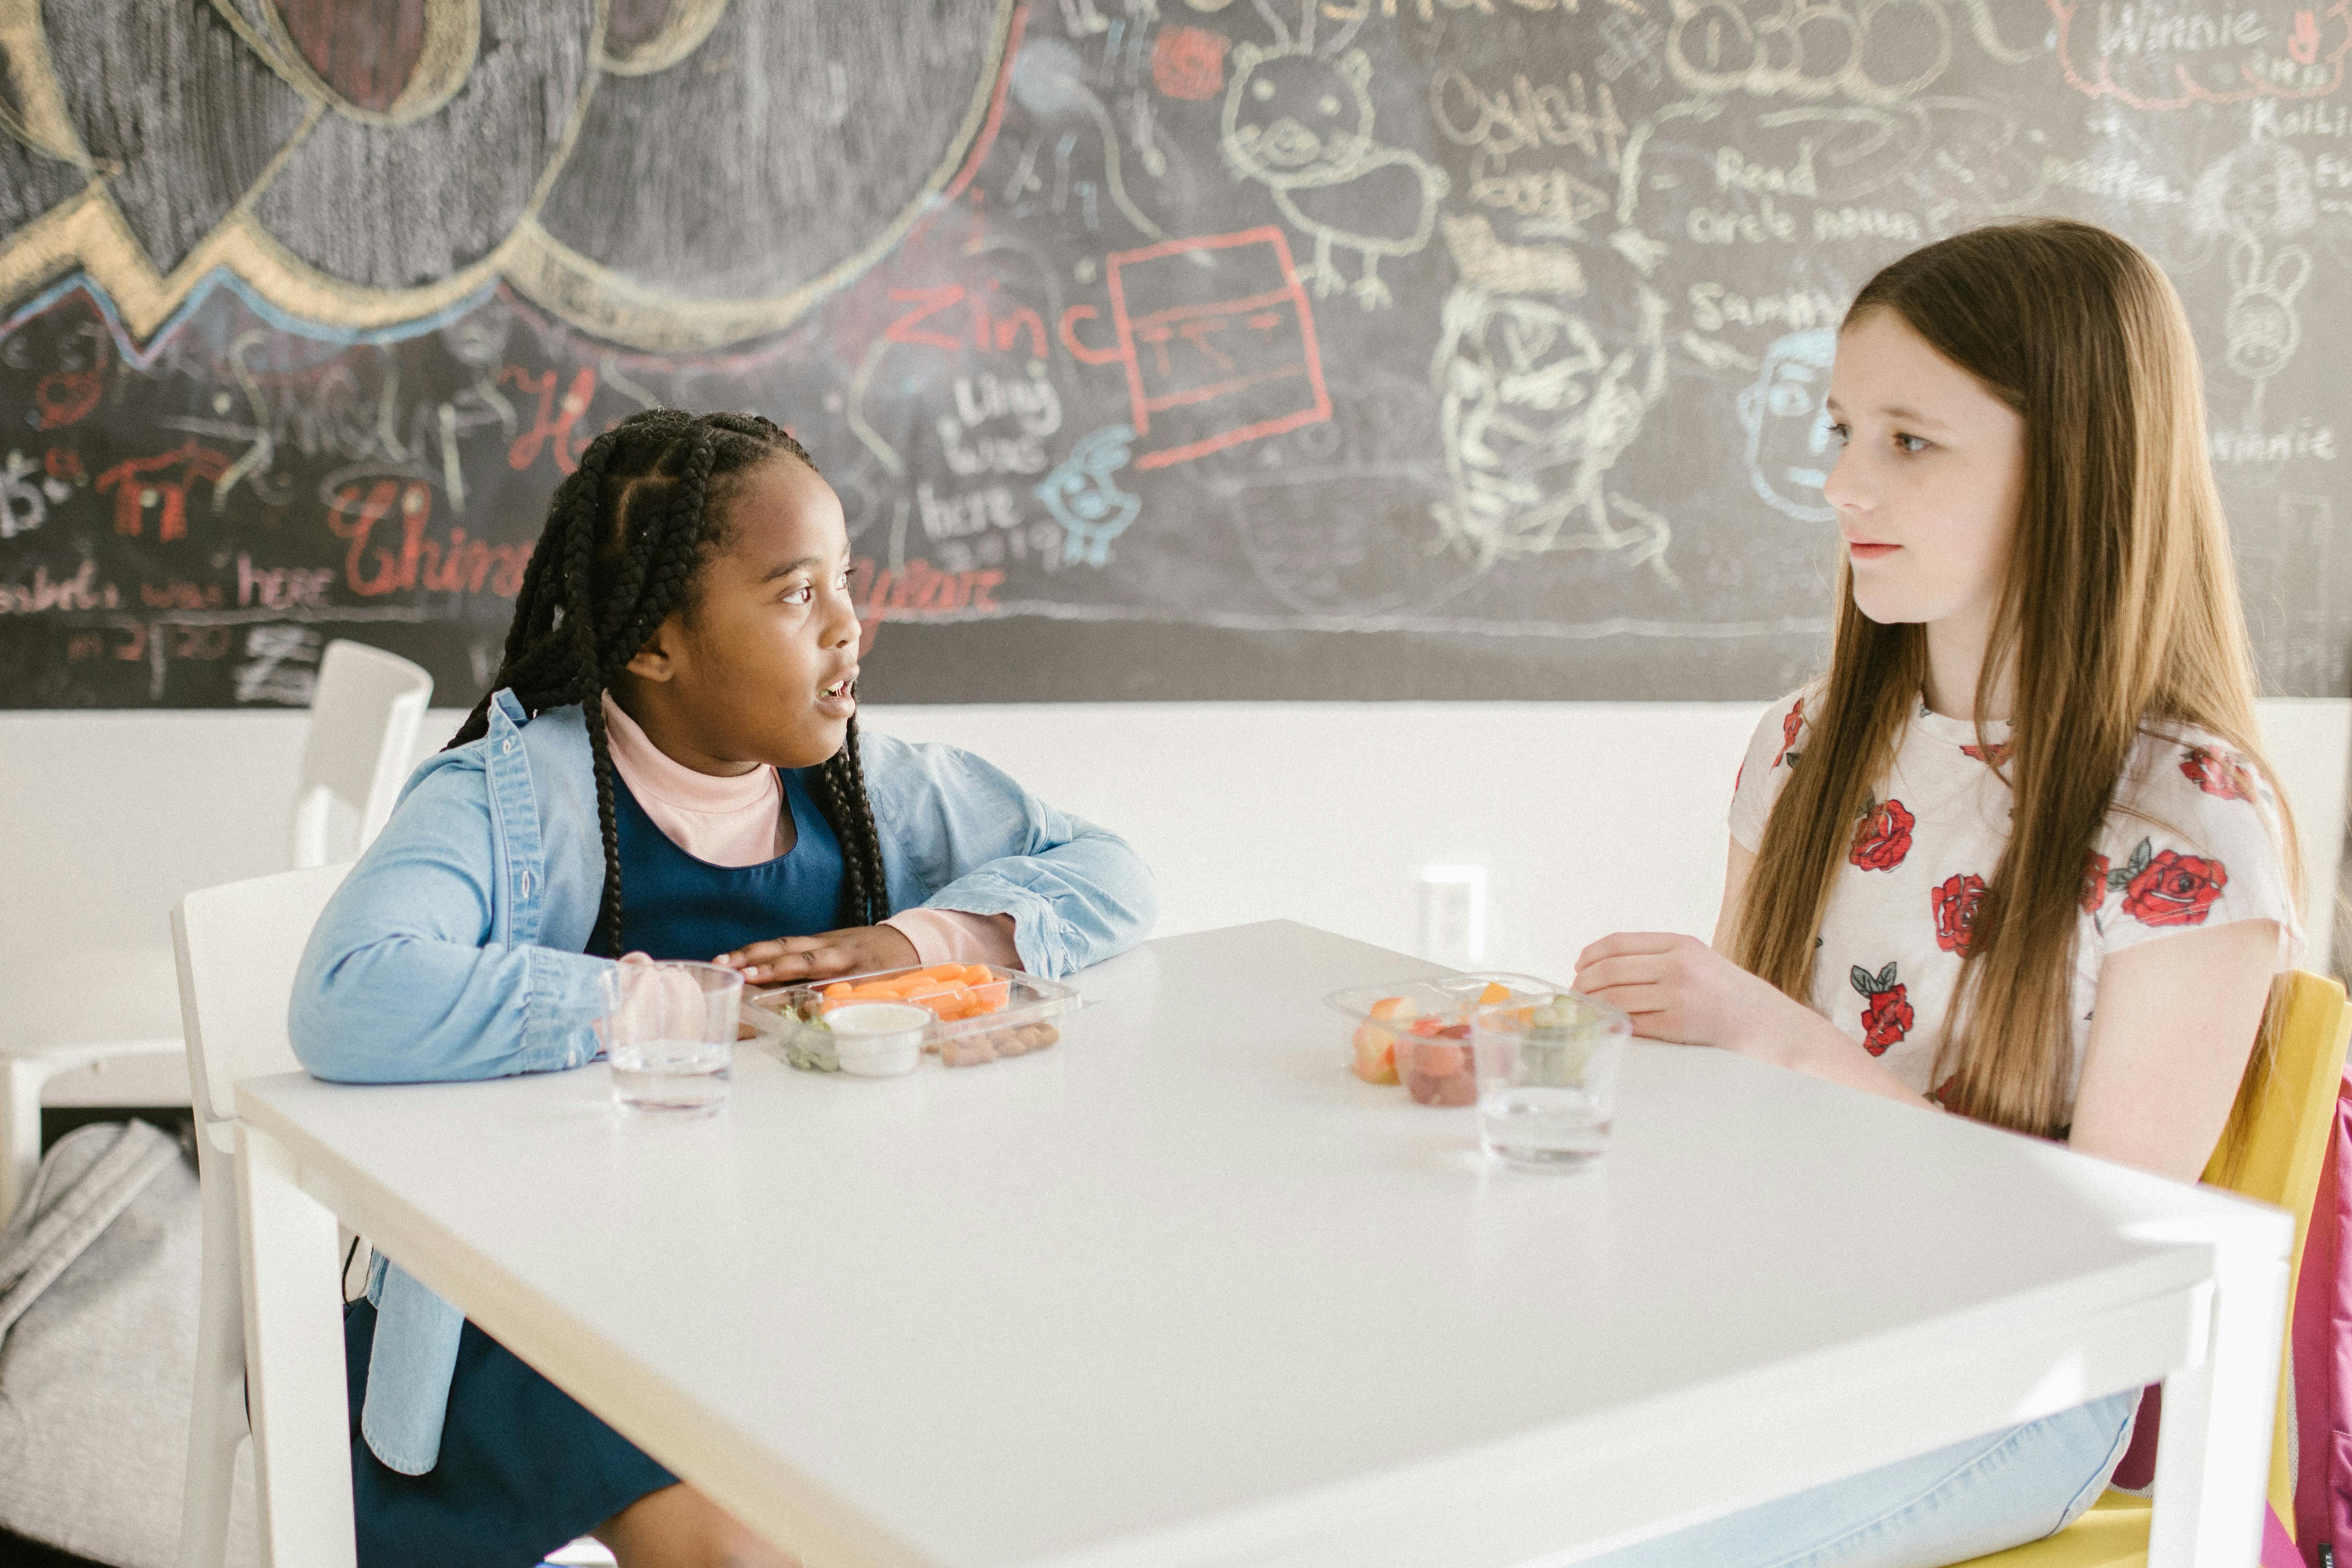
{"points": [[1547, 1079], [669, 1033]]}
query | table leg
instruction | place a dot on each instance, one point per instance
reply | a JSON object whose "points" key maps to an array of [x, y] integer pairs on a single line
{"points": [[294, 1357], [2212, 1459]]}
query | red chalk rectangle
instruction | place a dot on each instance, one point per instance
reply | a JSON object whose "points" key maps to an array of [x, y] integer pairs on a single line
{"points": [[1219, 344]]}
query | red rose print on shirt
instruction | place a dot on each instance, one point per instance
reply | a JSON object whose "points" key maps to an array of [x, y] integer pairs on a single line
{"points": [[2171, 888], [1884, 838], [1956, 901], [2218, 773], [1793, 721], [1886, 1018], [2095, 882]]}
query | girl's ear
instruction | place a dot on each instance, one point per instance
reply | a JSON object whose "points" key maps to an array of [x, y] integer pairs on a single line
{"points": [[653, 662]]}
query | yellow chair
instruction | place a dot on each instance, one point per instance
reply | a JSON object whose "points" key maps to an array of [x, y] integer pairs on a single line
{"points": [[2283, 1153]]}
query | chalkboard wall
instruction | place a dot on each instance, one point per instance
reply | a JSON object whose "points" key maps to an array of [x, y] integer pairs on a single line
{"points": [[1161, 349]]}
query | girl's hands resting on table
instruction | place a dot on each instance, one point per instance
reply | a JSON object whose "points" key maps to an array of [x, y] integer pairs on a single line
{"points": [[1677, 988], [859, 950]]}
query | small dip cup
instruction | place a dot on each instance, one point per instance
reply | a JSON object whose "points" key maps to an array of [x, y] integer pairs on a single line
{"points": [[878, 1039]]}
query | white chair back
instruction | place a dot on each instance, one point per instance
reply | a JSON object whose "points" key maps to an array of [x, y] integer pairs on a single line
{"points": [[237, 947], [364, 715]]}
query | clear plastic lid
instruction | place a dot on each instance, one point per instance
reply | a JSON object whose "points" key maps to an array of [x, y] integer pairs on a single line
{"points": [[978, 1013], [1449, 997]]}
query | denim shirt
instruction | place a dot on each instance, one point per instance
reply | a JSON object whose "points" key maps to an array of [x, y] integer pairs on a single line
{"points": [[454, 949]]}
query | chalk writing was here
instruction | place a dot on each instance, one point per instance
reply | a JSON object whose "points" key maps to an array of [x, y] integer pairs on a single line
{"points": [[961, 516], [282, 587]]}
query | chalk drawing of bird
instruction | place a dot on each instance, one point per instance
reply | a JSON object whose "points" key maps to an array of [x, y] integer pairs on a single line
{"points": [[1300, 122]]}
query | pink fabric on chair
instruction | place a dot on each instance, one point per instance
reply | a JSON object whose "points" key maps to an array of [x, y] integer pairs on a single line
{"points": [[2322, 1352], [2321, 1349]]}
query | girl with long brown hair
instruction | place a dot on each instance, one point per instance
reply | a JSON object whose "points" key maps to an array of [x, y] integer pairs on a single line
{"points": [[2017, 857]]}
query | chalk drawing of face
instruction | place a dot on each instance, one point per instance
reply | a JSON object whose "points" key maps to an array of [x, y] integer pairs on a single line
{"points": [[2263, 189], [2261, 323], [1534, 409], [1785, 414], [1292, 118]]}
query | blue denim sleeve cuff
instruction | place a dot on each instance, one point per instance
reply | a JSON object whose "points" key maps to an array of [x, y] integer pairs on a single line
{"points": [[564, 997]]}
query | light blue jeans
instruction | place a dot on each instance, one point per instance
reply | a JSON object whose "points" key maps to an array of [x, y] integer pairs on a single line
{"points": [[1987, 1494]]}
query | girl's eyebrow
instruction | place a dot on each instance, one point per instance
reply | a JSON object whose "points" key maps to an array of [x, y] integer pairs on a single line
{"points": [[1896, 411], [787, 568]]}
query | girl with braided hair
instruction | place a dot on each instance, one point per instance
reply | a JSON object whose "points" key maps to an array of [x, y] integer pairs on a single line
{"points": [[668, 766]]}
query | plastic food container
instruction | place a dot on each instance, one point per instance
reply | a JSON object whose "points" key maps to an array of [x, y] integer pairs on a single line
{"points": [[974, 1014], [1417, 1031]]}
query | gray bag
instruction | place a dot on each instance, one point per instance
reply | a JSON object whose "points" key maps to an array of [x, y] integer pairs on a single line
{"points": [[98, 1349]]}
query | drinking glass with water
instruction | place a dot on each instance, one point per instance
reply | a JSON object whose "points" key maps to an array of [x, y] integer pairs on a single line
{"points": [[669, 1033], [1547, 1079]]}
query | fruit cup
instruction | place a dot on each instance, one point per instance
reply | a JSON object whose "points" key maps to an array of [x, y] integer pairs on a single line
{"points": [[1417, 1033]]}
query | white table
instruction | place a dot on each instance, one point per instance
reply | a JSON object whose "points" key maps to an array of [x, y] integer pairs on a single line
{"points": [[1182, 1291]]}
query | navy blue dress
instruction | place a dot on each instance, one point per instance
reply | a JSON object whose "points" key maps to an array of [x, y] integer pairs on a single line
{"points": [[524, 1467]]}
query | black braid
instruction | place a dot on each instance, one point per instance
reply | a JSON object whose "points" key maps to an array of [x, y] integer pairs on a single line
{"points": [[624, 537], [841, 796]]}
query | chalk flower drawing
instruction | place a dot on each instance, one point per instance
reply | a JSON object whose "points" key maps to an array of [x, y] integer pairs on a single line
{"points": [[320, 171]]}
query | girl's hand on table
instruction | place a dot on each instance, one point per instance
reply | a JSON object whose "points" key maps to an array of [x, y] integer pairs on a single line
{"points": [[1677, 988], [858, 950]]}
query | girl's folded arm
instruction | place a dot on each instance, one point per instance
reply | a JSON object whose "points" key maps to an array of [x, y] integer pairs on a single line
{"points": [[981, 844], [405, 977]]}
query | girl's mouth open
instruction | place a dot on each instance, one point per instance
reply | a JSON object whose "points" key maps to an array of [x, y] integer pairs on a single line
{"points": [[840, 699]]}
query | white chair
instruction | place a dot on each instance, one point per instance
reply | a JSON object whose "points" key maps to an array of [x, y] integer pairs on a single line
{"points": [[364, 717], [364, 721], [237, 948]]}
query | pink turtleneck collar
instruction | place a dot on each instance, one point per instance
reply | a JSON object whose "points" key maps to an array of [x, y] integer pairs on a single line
{"points": [[737, 820]]}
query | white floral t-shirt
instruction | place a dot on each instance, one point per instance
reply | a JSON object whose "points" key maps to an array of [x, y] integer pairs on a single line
{"points": [[2191, 841]]}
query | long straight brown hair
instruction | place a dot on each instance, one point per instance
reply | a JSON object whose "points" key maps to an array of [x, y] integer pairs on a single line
{"points": [[2118, 608]]}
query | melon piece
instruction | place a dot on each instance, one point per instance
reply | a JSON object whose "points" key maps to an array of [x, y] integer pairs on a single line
{"points": [[1375, 1053]]}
